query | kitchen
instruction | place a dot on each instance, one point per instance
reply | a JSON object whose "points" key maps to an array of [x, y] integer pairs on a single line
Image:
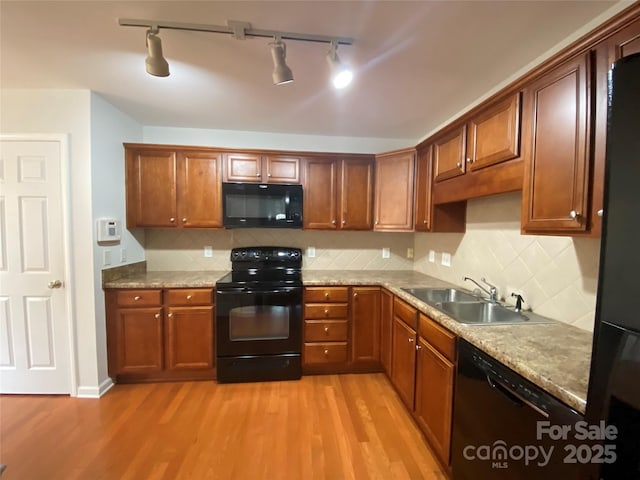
{"points": [[576, 258]]}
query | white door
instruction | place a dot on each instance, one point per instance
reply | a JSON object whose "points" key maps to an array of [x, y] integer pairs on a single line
{"points": [[34, 323]]}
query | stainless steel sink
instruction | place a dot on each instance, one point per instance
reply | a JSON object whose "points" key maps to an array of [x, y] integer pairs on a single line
{"points": [[433, 296], [486, 313]]}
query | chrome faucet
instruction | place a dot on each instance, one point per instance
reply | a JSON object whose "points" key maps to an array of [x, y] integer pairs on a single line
{"points": [[492, 292]]}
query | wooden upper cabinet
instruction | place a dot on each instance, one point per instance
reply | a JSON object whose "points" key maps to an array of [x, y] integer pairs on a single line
{"points": [[338, 193], [449, 154], [356, 194], [172, 188], [151, 184], [556, 126], [320, 194], [423, 190], [200, 189], [493, 136], [394, 189], [256, 168]]}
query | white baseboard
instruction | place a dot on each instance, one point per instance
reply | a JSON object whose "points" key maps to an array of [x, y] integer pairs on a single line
{"points": [[95, 392]]}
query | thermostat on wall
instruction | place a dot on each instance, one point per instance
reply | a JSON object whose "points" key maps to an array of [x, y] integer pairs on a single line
{"points": [[108, 230]]}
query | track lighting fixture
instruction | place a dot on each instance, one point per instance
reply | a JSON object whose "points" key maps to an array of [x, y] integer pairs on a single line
{"points": [[282, 74], [341, 75], [158, 66], [155, 62]]}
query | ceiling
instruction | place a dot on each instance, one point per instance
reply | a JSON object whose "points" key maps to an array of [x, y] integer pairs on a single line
{"points": [[417, 63]]}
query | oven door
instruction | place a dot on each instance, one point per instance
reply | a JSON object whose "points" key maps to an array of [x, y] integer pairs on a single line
{"points": [[258, 321]]}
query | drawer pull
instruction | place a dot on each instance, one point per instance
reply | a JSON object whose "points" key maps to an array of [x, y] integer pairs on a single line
{"points": [[326, 312], [137, 297], [189, 297], [326, 329], [326, 295], [326, 353], [355, 295]]}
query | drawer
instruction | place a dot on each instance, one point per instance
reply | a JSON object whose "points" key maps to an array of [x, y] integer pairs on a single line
{"points": [[320, 353], [442, 339], [406, 313], [326, 294], [189, 296], [326, 310], [325, 330], [139, 298]]}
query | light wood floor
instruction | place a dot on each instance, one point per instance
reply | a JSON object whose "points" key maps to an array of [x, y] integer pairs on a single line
{"points": [[321, 427]]}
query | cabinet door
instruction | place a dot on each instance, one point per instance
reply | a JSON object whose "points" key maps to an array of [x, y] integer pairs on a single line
{"points": [[365, 325], [151, 188], [494, 134], [139, 340], [449, 154], [394, 191], [423, 190], [190, 338], [242, 167], [281, 169], [556, 153], [356, 195], [434, 397], [200, 189], [320, 192], [386, 330], [403, 363]]}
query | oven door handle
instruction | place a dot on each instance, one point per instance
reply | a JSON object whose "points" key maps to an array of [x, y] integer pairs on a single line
{"points": [[252, 291]]}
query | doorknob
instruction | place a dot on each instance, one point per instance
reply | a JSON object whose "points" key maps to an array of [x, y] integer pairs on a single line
{"points": [[54, 284]]}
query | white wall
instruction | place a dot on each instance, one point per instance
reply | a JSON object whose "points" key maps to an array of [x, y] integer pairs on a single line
{"points": [[275, 141], [557, 276], [66, 112], [109, 129]]}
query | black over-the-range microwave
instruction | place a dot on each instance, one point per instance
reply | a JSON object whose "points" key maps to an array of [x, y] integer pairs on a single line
{"points": [[261, 205]]}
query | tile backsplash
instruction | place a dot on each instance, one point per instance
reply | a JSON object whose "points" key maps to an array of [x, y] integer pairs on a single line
{"points": [[183, 249], [557, 276]]}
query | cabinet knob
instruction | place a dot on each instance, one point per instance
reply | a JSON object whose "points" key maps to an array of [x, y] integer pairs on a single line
{"points": [[600, 212], [355, 295], [257, 174], [189, 297], [459, 164], [326, 353], [411, 340], [268, 174], [172, 219], [137, 297], [377, 222], [424, 221], [326, 312], [333, 222], [170, 315], [157, 315], [344, 222], [574, 215], [326, 329], [469, 160], [184, 219], [418, 347], [326, 295]]}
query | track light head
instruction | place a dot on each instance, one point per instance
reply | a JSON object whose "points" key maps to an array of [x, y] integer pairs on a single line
{"points": [[155, 62], [341, 75], [282, 74]]}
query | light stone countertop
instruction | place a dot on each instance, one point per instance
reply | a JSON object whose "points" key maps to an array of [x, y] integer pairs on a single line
{"points": [[555, 356]]}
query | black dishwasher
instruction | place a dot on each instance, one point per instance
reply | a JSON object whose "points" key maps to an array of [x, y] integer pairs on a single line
{"points": [[505, 427]]}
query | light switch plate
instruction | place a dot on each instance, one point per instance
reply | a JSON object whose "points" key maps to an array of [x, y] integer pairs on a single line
{"points": [[208, 251], [446, 259], [386, 252], [123, 254], [432, 256], [311, 252], [106, 257]]}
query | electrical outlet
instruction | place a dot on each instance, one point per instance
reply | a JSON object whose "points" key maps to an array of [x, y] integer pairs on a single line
{"points": [[123, 254], [208, 251], [311, 252], [386, 252], [432, 256], [106, 257], [445, 260], [409, 252]]}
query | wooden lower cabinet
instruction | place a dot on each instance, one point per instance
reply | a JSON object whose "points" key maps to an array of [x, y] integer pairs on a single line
{"points": [[386, 330], [155, 334], [341, 329], [403, 361]]}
